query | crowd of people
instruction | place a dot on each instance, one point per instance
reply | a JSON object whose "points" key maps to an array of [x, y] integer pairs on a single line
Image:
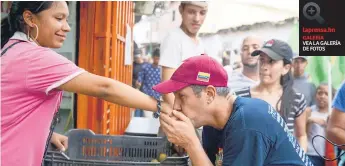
{"points": [[276, 76], [267, 113]]}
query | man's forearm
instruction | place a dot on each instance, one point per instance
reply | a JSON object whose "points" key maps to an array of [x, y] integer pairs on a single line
{"points": [[303, 141], [336, 135], [197, 154]]}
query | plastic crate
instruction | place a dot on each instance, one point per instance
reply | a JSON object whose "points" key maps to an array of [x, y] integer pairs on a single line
{"points": [[87, 148]]}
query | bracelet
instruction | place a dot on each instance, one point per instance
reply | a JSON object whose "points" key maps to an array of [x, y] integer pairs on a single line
{"points": [[158, 112]]}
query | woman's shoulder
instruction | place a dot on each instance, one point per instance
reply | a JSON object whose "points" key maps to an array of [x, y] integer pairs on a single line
{"points": [[27, 48], [26, 52], [35, 55]]}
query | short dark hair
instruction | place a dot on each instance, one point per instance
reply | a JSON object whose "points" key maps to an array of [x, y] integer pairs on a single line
{"points": [[221, 91], [334, 91], [182, 5], [156, 53]]}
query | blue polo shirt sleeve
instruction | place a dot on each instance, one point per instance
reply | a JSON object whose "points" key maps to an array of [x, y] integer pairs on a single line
{"points": [[339, 101], [245, 147]]}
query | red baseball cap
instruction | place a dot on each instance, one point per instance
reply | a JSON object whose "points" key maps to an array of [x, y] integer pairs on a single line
{"points": [[197, 70]]}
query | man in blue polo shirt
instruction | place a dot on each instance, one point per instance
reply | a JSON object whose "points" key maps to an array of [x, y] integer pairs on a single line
{"points": [[336, 123], [252, 132]]}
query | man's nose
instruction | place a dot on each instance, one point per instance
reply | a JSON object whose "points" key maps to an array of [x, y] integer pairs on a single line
{"points": [[197, 17], [177, 105], [251, 50], [324, 96]]}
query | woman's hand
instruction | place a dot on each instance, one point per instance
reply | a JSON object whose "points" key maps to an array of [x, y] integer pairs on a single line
{"points": [[60, 141]]}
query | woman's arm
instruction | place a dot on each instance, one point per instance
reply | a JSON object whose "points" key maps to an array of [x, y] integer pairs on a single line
{"points": [[112, 91], [300, 130]]}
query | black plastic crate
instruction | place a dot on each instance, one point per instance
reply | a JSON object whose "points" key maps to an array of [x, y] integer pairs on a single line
{"points": [[86, 148]]}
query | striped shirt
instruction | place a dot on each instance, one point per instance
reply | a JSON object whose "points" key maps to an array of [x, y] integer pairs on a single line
{"points": [[298, 106]]}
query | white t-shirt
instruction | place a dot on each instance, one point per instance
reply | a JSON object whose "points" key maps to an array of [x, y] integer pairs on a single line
{"points": [[178, 46]]}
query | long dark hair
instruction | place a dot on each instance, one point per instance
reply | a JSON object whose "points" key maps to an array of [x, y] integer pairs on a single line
{"points": [[15, 22], [288, 96]]}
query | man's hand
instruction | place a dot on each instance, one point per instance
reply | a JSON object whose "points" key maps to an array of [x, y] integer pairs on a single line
{"points": [[179, 150], [178, 129], [60, 141]]}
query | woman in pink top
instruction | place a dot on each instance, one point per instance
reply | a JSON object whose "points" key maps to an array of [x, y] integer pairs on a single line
{"points": [[33, 77]]}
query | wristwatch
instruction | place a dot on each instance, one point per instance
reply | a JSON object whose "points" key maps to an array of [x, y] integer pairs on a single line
{"points": [[158, 112]]}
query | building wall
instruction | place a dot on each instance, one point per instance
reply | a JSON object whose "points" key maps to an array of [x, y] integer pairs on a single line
{"points": [[156, 27], [153, 29], [166, 22], [233, 40]]}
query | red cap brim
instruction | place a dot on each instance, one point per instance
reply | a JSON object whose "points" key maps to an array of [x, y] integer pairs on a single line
{"points": [[169, 86]]}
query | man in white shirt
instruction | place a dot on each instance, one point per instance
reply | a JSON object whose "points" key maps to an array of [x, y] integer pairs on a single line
{"points": [[182, 42], [250, 73]]}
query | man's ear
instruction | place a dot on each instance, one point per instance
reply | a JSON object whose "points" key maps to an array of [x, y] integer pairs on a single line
{"points": [[210, 93]]}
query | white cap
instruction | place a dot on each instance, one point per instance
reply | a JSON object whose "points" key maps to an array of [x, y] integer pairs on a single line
{"points": [[297, 56], [203, 4]]}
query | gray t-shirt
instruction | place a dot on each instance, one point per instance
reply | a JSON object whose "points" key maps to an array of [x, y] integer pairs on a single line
{"points": [[302, 85], [237, 81]]}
